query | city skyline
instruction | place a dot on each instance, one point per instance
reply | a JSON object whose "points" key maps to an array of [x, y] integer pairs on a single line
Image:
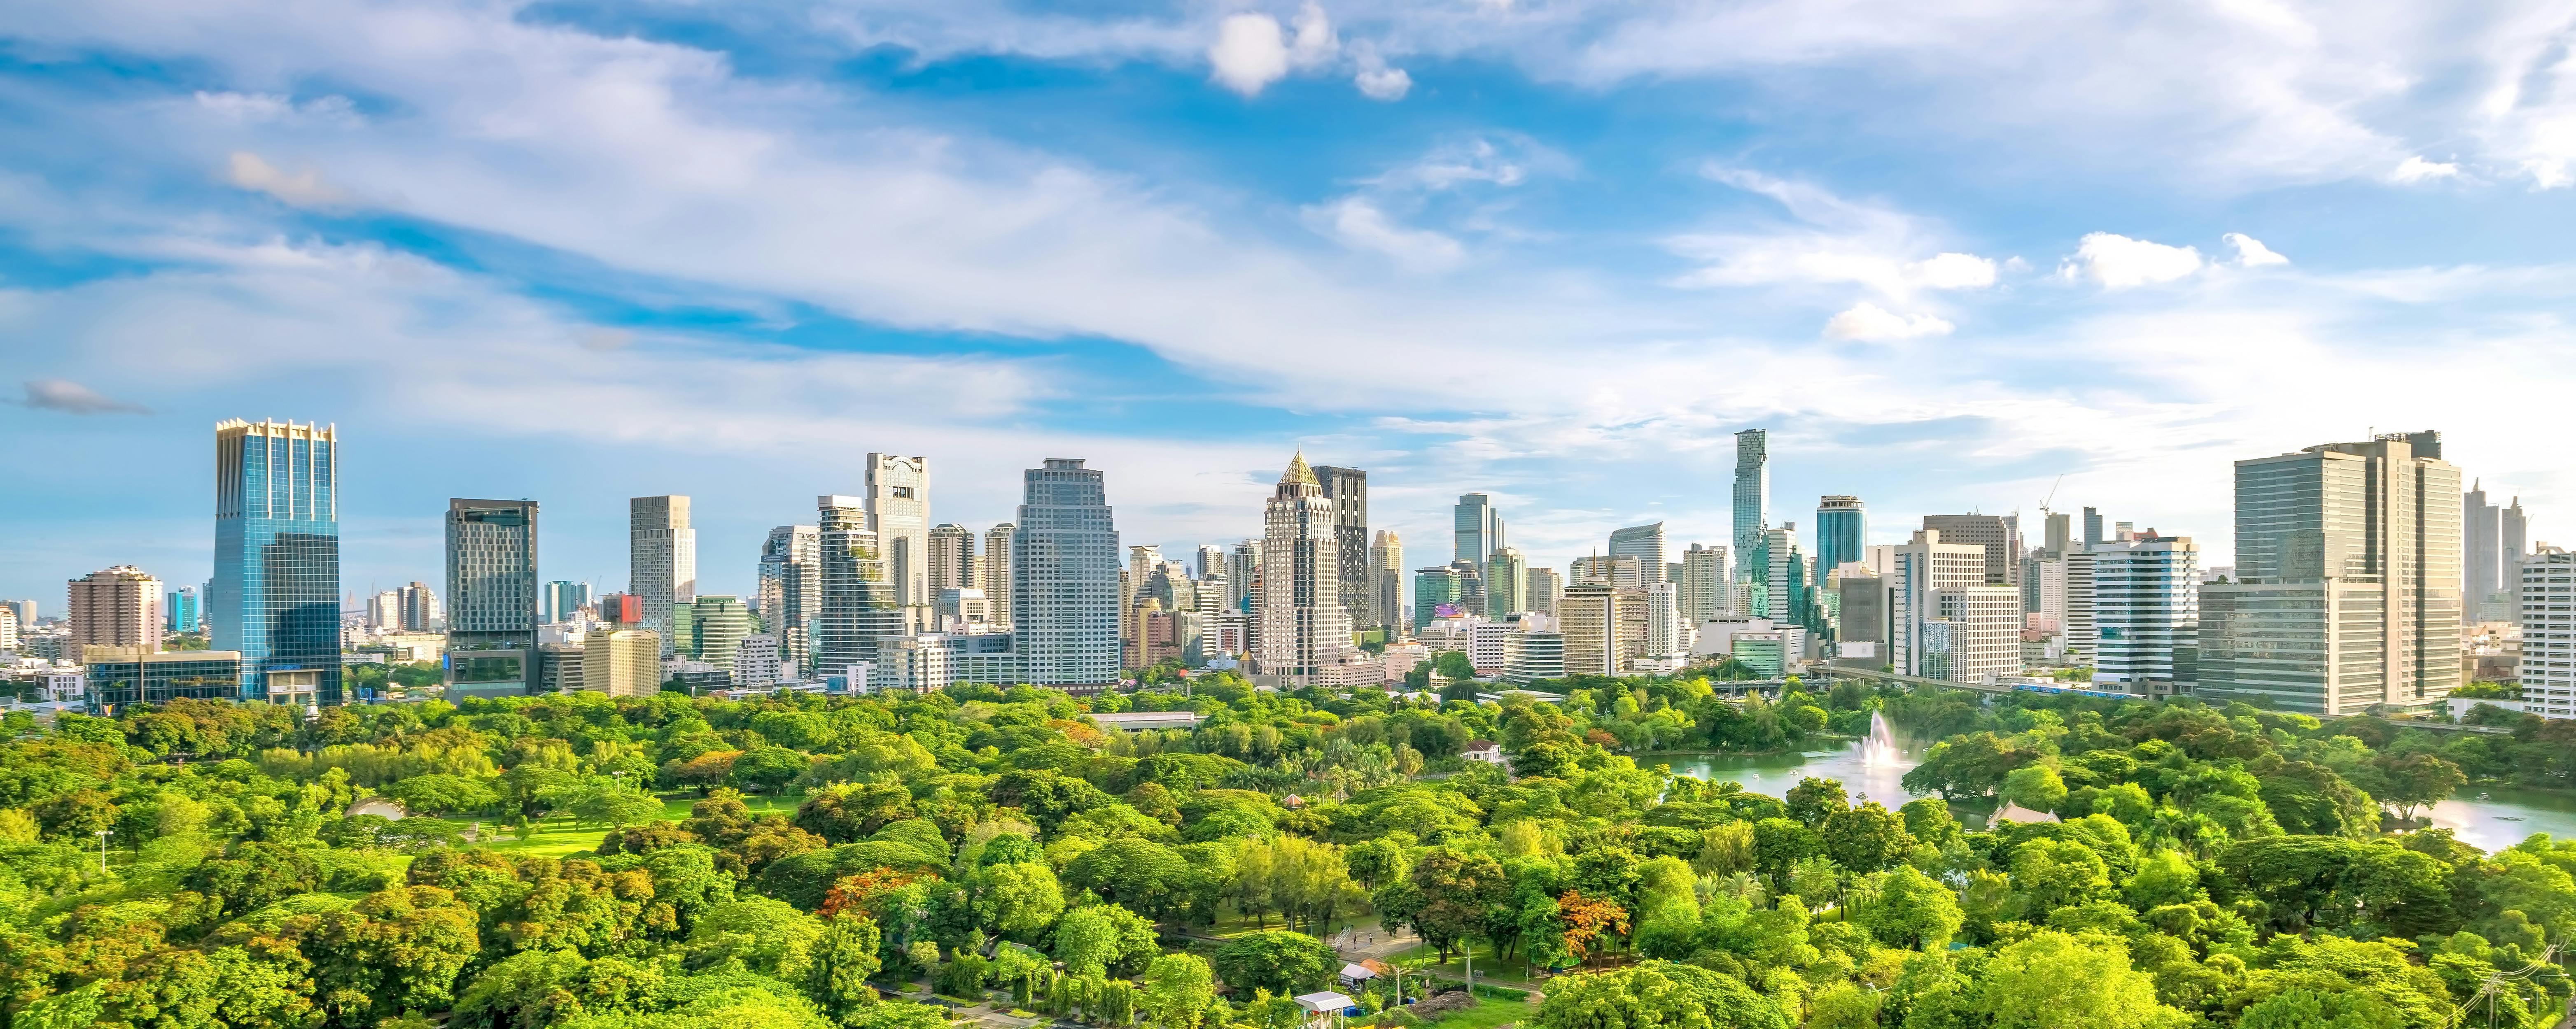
{"points": [[718, 575]]}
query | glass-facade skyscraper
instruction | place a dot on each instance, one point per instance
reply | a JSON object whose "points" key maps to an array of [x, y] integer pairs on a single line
{"points": [[1842, 533], [1476, 531], [1752, 501], [491, 574], [1064, 577], [277, 558]]}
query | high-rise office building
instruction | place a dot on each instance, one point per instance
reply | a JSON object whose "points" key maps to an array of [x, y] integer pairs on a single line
{"points": [[997, 573], [1625, 572], [277, 558], [1543, 587], [791, 590], [2347, 591], [419, 608], [1442, 591], [1665, 633], [1347, 488], [1476, 530], [115, 607], [2491, 549], [1242, 573], [2146, 605], [622, 662], [858, 612], [1708, 583], [1842, 531], [561, 599], [181, 615], [1064, 570], [899, 512], [1999, 534], [1591, 618], [1142, 559], [2548, 601], [1211, 561], [1947, 623], [2515, 534], [952, 558], [1386, 582], [491, 574], [1303, 629], [1646, 544], [1507, 583], [1752, 501], [717, 625], [2093, 532], [662, 562]]}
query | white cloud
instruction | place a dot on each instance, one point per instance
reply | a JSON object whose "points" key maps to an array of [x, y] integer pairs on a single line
{"points": [[1377, 81], [301, 189], [1869, 322], [1316, 43], [1953, 271], [2250, 252], [2416, 169], [1840, 241], [2117, 262], [1359, 224], [1250, 53]]}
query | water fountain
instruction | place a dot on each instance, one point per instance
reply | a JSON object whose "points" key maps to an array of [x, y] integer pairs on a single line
{"points": [[1880, 750]]}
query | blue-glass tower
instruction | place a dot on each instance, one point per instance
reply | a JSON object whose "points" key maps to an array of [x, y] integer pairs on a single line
{"points": [[277, 558], [1842, 533], [182, 606]]}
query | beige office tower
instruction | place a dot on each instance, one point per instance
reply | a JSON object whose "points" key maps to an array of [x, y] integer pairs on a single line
{"points": [[2000, 535], [1304, 631], [1141, 559], [1947, 622], [1708, 584], [1508, 592], [997, 573], [952, 559], [1386, 583], [899, 512], [622, 663], [2348, 580], [1545, 587], [115, 607], [1590, 617], [662, 563]]}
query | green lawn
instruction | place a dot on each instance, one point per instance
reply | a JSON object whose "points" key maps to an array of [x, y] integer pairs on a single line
{"points": [[561, 836], [1502, 972], [1486, 1015]]}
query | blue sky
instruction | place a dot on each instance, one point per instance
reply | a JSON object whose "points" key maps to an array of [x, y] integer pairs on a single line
{"points": [[1953, 256]]}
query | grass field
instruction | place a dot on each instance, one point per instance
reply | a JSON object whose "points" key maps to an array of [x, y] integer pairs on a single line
{"points": [[1486, 1015], [562, 836]]}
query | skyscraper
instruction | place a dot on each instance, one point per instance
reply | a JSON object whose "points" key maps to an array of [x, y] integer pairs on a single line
{"points": [[858, 607], [2491, 563], [1303, 628], [277, 558], [1440, 591], [1064, 577], [952, 558], [1506, 583], [561, 598], [2547, 578], [1752, 501], [718, 623], [2093, 526], [491, 574], [2146, 603], [791, 590], [1999, 534], [418, 605], [1948, 624], [115, 607], [1590, 616], [2347, 591], [1477, 530], [662, 561], [1544, 588], [1242, 571], [997, 573], [899, 511], [1347, 488], [1386, 582], [1646, 544], [1842, 531], [1211, 561], [181, 614], [1708, 584]]}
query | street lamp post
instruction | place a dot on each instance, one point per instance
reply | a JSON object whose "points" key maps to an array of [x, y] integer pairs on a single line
{"points": [[102, 835]]}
